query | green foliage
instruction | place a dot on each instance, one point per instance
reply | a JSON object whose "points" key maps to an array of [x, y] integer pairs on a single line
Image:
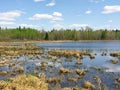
{"points": [[62, 34], [20, 34], [104, 34]]}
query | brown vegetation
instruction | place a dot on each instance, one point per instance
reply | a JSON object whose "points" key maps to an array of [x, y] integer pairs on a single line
{"points": [[24, 82]]}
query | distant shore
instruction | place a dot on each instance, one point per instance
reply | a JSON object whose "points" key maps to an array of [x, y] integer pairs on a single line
{"points": [[45, 41]]}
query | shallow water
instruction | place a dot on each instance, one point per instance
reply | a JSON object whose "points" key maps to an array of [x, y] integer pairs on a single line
{"points": [[107, 74]]}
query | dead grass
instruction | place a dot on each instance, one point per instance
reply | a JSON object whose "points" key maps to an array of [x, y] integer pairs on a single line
{"points": [[24, 82]]}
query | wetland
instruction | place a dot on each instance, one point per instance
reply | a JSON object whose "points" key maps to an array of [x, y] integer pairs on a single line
{"points": [[64, 65]]}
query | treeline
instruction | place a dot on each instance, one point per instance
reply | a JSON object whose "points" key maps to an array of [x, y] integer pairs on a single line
{"points": [[62, 34]]}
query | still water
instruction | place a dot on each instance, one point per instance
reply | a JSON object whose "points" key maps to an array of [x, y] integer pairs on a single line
{"points": [[81, 45]]}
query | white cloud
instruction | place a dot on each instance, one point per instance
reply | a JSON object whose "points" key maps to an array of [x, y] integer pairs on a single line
{"points": [[88, 12], [52, 3], [57, 19], [6, 23], [58, 14], [111, 9], [78, 25], [39, 0], [41, 16], [11, 15]]}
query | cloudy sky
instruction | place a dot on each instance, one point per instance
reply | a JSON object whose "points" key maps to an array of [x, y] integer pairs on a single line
{"points": [[48, 14]]}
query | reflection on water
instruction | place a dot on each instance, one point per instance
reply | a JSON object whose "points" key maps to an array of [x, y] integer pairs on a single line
{"points": [[112, 67]]}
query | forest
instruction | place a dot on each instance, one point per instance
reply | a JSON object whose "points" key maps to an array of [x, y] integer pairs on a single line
{"points": [[23, 33]]}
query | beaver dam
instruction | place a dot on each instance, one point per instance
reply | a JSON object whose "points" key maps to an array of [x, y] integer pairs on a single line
{"points": [[27, 66]]}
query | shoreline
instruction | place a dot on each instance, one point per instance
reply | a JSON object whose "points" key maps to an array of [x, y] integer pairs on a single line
{"points": [[81, 41], [45, 41]]}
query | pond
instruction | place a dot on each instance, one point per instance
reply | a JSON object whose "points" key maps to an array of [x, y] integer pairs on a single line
{"points": [[100, 66]]}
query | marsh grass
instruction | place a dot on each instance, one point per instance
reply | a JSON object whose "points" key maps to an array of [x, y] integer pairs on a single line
{"points": [[24, 82], [114, 61]]}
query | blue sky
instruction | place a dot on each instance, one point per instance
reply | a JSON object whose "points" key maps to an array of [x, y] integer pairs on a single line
{"points": [[48, 14]]}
